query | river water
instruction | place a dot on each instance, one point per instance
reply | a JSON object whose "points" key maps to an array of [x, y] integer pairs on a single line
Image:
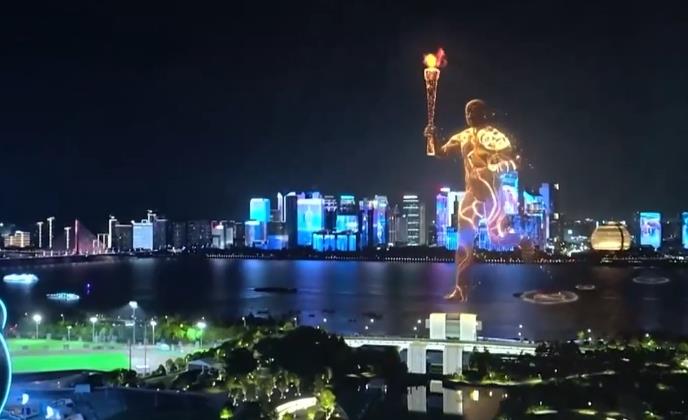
{"points": [[344, 292]]}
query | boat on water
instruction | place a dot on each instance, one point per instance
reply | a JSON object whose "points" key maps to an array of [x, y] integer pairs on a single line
{"points": [[63, 297], [275, 289], [24, 279]]}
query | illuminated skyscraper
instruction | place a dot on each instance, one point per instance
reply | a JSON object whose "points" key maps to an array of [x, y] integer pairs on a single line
{"points": [[441, 217], [259, 210], [380, 204], [330, 203], [365, 224], [111, 231], [255, 234], [347, 215], [142, 235], [310, 219], [414, 211]]}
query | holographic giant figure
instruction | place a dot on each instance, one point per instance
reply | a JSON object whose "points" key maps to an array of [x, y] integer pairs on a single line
{"points": [[486, 153]]}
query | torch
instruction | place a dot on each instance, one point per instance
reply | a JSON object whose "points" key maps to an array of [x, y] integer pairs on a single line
{"points": [[431, 74]]}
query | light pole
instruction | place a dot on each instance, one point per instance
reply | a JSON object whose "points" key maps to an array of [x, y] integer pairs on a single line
{"points": [[93, 320], [37, 318], [69, 332], [50, 232], [67, 229], [243, 319], [133, 305], [201, 326], [153, 323], [40, 234]]}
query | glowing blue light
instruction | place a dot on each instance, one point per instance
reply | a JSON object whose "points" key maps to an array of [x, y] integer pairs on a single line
{"points": [[21, 279], [49, 412], [684, 230], [24, 398], [651, 229], [5, 363]]}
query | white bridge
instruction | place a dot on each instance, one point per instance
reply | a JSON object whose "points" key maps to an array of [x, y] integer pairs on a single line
{"points": [[452, 334]]}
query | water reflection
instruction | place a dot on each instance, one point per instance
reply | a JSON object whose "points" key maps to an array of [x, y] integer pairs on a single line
{"points": [[345, 291], [469, 402]]}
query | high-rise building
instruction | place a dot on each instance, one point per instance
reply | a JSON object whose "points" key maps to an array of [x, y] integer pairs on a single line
{"points": [[330, 203], [648, 225], [255, 234], [347, 216], [19, 239], [380, 230], [366, 224], [415, 215], [160, 228], [280, 207], [441, 217], [142, 235], [123, 241], [277, 235], [179, 235], [310, 219], [259, 209], [223, 234], [291, 219], [112, 221], [198, 234]]}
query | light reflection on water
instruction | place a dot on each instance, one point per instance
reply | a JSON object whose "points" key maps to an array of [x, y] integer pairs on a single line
{"points": [[343, 291], [470, 402]]}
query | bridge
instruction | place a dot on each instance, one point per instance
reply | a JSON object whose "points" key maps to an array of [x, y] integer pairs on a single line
{"points": [[452, 349], [453, 334]]}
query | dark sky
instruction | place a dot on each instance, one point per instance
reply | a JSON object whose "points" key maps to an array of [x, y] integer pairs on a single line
{"points": [[193, 109]]}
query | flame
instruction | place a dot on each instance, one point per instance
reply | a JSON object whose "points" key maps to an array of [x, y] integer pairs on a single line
{"points": [[430, 60], [435, 60]]}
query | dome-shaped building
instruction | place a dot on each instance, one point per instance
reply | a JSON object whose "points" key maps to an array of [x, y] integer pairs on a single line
{"points": [[611, 237]]}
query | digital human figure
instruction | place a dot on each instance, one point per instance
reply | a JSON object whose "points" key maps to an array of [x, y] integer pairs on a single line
{"points": [[486, 154]]}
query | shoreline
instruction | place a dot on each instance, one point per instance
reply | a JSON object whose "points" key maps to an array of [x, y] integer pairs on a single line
{"points": [[367, 257]]}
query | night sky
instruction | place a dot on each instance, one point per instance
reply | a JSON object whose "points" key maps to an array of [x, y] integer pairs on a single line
{"points": [[191, 110]]}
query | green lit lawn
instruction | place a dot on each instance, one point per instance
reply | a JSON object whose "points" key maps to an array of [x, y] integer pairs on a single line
{"points": [[56, 361], [16, 345]]}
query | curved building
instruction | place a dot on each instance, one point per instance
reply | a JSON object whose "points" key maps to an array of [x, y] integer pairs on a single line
{"points": [[611, 237]]}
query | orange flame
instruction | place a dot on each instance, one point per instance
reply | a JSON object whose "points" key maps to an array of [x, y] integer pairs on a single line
{"points": [[435, 60]]}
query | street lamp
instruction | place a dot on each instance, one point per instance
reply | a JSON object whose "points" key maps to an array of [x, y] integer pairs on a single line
{"points": [[69, 331], [93, 320], [133, 305], [243, 319], [153, 323], [201, 326], [37, 318]]}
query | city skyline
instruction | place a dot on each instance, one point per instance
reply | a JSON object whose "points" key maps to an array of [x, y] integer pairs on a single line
{"points": [[123, 113]]}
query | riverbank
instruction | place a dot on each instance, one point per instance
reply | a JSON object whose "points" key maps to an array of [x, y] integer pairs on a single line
{"points": [[410, 255]]}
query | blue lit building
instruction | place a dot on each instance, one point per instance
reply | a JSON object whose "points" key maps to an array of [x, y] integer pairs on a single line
{"points": [[365, 224], [259, 209], [338, 241], [441, 218], [380, 220], [650, 229], [310, 219], [452, 238], [142, 235], [509, 192], [255, 234]]}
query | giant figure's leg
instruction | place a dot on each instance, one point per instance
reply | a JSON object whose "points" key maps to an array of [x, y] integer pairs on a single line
{"points": [[468, 219]]}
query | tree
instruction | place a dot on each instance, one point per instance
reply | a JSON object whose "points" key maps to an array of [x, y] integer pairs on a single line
{"points": [[327, 402], [226, 413], [239, 361], [288, 416]]}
